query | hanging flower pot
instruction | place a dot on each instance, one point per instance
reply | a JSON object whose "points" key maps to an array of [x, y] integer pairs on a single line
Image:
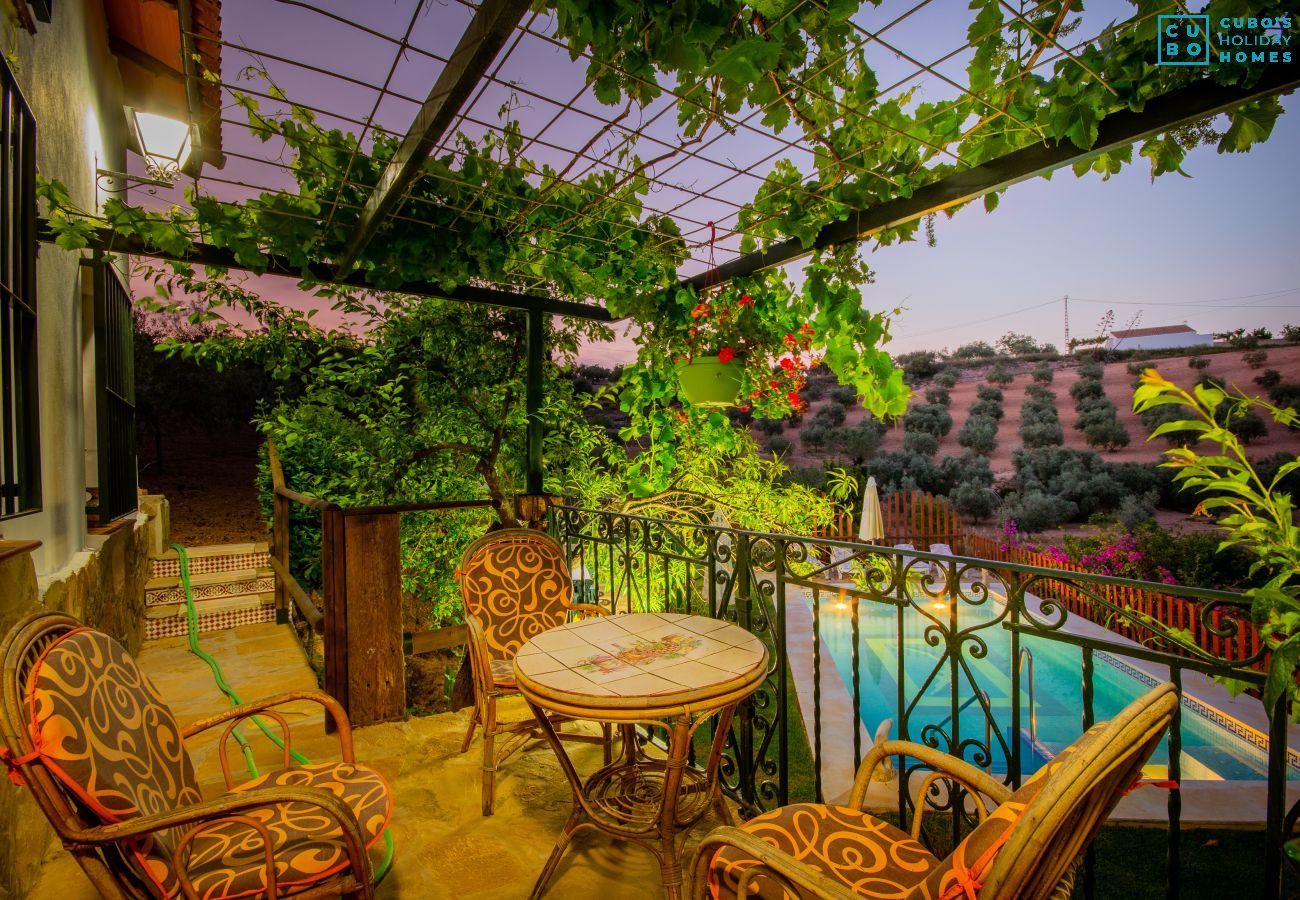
{"points": [[708, 381]]}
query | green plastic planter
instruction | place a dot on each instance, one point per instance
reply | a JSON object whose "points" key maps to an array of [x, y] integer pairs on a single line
{"points": [[707, 382]]}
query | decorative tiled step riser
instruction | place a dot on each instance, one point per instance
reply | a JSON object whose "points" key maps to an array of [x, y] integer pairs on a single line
{"points": [[215, 591], [170, 567], [177, 626]]}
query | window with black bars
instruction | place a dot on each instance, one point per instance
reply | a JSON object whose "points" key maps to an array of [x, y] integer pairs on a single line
{"points": [[20, 448], [114, 393]]}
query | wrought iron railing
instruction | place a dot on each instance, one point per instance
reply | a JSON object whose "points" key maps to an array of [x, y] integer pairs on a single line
{"points": [[955, 608]]}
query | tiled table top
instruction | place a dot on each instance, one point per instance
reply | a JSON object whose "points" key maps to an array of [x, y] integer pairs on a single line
{"points": [[640, 655]]}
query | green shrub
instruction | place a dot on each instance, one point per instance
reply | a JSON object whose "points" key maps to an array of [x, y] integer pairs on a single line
{"points": [[999, 374], [856, 442], [979, 434], [985, 392], [918, 366], [1078, 476], [1285, 394], [987, 409], [1107, 435], [1090, 370], [1041, 434], [930, 418], [814, 435], [1198, 363], [809, 476], [974, 501], [1255, 358], [769, 426], [1036, 511], [920, 442], [844, 395], [1043, 373], [829, 415], [1136, 368], [779, 444], [1249, 427], [974, 350], [1268, 379], [814, 390], [938, 395], [1038, 392], [1086, 387], [1159, 415], [946, 379]]}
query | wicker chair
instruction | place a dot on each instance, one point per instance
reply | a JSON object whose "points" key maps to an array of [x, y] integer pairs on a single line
{"points": [[1027, 847], [87, 732], [515, 584]]}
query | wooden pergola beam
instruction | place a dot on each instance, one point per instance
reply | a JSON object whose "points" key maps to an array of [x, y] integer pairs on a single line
{"points": [[1176, 108], [207, 255], [483, 38]]}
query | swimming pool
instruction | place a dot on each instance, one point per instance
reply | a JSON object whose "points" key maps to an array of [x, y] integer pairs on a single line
{"points": [[1210, 752]]}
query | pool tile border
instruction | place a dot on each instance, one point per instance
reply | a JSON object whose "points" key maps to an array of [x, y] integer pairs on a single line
{"points": [[1239, 728]]}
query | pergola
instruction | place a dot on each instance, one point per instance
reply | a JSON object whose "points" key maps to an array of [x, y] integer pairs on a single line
{"points": [[578, 134]]}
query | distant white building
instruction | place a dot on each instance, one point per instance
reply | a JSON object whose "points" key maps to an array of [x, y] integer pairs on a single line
{"points": [[1160, 337]]}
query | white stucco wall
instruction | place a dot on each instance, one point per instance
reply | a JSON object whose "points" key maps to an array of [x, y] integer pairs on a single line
{"points": [[1161, 341], [71, 83]]}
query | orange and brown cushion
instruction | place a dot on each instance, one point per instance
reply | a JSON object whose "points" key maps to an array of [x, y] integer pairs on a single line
{"points": [[865, 854], [226, 859], [516, 583], [102, 729], [963, 871]]}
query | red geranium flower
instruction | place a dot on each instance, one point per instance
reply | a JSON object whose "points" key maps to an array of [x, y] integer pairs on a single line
{"points": [[787, 364], [789, 339], [793, 398], [745, 300], [726, 355], [701, 309]]}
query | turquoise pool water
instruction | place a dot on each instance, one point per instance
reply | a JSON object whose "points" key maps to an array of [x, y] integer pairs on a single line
{"points": [[1210, 752]]}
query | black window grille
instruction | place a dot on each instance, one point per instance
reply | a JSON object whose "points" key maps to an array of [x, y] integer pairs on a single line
{"points": [[114, 393], [20, 443]]}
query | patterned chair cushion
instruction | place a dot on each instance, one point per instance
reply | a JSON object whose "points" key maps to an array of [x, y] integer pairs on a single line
{"points": [[963, 870], [866, 855], [516, 583], [104, 732], [227, 860]]}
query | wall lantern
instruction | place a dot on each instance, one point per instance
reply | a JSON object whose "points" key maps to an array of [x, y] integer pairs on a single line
{"points": [[164, 143]]}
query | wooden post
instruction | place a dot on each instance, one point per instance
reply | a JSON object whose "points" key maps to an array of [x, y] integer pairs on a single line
{"points": [[376, 664], [334, 593], [279, 532]]}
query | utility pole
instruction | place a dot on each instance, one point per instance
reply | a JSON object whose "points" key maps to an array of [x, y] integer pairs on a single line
{"points": [[1066, 301]]}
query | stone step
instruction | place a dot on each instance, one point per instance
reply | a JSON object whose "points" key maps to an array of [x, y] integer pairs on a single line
{"points": [[212, 558], [169, 620], [209, 587]]}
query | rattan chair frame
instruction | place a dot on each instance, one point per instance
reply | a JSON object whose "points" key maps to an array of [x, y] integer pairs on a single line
{"points": [[1040, 857], [516, 733], [97, 847]]}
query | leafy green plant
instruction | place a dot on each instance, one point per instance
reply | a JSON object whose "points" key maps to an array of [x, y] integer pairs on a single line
{"points": [[1043, 373], [1254, 514]]}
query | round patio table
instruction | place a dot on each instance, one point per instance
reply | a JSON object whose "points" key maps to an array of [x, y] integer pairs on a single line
{"points": [[669, 670]]}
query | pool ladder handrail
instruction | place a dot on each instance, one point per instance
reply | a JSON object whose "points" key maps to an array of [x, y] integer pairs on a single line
{"points": [[1027, 654]]}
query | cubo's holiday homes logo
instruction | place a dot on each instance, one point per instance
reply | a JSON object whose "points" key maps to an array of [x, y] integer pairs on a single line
{"points": [[1196, 41]]}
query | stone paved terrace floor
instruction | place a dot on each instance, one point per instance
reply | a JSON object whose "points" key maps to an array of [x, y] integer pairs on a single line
{"points": [[445, 847]]}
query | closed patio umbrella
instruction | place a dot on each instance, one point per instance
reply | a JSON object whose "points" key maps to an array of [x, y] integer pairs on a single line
{"points": [[872, 526]]}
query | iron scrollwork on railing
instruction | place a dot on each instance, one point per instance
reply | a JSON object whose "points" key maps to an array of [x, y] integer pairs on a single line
{"points": [[936, 619]]}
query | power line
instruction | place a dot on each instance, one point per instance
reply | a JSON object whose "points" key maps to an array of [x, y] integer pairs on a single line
{"points": [[1194, 303]]}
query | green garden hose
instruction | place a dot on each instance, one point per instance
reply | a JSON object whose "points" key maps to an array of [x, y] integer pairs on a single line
{"points": [[192, 621]]}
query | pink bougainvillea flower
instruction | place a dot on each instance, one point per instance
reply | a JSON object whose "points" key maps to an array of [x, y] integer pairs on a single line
{"points": [[726, 355]]}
